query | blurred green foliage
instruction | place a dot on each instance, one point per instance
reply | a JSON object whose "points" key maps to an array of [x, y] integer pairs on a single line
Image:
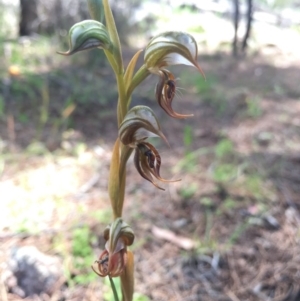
{"points": [[253, 107], [225, 172], [83, 255], [224, 148]]}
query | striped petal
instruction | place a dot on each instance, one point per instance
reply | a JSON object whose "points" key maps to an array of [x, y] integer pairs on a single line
{"points": [[171, 48], [139, 123], [88, 34]]}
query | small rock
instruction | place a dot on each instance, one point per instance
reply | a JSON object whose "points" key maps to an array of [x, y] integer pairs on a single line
{"points": [[30, 272], [271, 222], [264, 138]]}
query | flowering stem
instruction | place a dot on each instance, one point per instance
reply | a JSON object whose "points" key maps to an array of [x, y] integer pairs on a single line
{"points": [[122, 107], [111, 26], [117, 176], [111, 60], [113, 289]]}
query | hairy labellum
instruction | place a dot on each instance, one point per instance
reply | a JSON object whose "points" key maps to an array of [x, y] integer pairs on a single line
{"points": [[111, 265], [165, 92], [170, 88], [147, 162]]}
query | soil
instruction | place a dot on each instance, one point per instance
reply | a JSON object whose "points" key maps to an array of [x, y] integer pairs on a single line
{"points": [[245, 245]]}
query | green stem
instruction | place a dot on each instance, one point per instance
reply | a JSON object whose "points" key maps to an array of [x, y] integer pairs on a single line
{"points": [[122, 101], [111, 60], [117, 180], [122, 184], [125, 154], [113, 289]]}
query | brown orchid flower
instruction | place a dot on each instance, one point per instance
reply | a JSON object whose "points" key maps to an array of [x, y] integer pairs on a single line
{"points": [[112, 261], [147, 161], [166, 49], [139, 124]]}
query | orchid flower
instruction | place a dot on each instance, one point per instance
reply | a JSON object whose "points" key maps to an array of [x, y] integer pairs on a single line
{"points": [[139, 124], [166, 49], [112, 261]]}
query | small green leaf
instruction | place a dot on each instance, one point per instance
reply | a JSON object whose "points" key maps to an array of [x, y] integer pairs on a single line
{"points": [[130, 68], [96, 10]]}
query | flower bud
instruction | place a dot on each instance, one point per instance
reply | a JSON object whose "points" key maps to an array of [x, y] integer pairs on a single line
{"points": [[88, 34]]}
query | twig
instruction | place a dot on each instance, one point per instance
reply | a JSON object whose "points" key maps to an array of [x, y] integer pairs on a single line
{"points": [[232, 296]]}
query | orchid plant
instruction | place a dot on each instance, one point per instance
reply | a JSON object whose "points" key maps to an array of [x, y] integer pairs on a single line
{"points": [[136, 124]]}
